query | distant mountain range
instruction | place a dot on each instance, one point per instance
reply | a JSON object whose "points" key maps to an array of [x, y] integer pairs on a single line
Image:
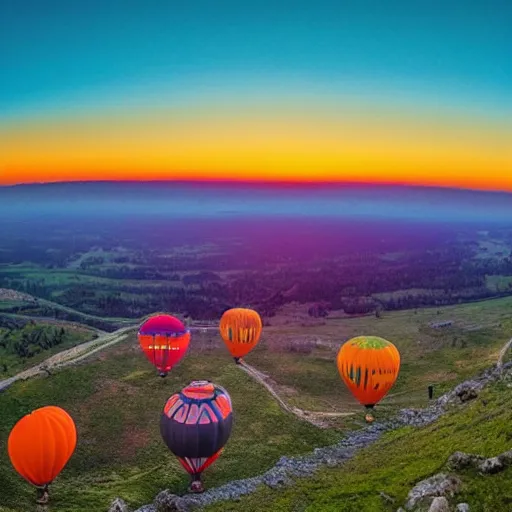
{"points": [[217, 199]]}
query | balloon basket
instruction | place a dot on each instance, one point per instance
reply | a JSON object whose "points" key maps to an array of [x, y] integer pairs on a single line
{"points": [[42, 496], [369, 418], [196, 487]]}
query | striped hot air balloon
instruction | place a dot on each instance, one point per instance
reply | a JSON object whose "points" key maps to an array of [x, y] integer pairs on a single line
{"points": [[195, 425], [240, 329], [369, 366]]}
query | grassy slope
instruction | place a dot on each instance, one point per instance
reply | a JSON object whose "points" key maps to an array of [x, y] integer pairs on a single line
{"points": [[401, 459], [15, 364], [116, 402], [428, 356]]}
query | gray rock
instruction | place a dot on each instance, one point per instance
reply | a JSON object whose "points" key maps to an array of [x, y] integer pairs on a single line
{"points": [[168, 502], [491, 466], [277, 479], [462, 507], [468, 390], [437, 485], [118, 505], [461, 460], [506, 458], [439, 504]]}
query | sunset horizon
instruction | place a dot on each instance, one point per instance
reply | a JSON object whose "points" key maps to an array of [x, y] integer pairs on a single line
{"points": [[264, 184], [329, 93]]}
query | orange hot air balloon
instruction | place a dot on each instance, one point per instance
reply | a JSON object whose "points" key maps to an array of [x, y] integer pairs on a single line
{"points": [[369, 366], [41, 444], [240, 329]]}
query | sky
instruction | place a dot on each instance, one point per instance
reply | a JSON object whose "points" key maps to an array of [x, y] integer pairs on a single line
{"points": [[401, 92]]}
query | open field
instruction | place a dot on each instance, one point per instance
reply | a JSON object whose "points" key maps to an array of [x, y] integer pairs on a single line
{"points": [[116, 397], [127, 271], [116, 400], [394, 282], [301, 359]]}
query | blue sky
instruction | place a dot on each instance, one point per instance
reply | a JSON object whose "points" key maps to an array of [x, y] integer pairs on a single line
{"points": [[55, 53]]}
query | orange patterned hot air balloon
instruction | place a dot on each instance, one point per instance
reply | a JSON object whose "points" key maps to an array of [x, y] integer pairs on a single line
{"points": [[369, 366], [240, 329], [41, 444]]}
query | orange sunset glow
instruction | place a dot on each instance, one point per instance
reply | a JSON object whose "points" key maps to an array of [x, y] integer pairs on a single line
{"points": [[255, 144]]}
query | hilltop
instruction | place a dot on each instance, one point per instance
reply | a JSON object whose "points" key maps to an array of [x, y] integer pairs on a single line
{"points": [[115, 397]]}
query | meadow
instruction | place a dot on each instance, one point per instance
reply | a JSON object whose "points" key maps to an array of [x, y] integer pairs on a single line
{"points": [[116, 398], [440, 357], [116, 401]]}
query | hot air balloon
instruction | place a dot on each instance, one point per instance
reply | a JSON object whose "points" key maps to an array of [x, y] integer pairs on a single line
{"points": [[195, 425], [40, 445], [240, 329], [164, 340], [369, 366]]}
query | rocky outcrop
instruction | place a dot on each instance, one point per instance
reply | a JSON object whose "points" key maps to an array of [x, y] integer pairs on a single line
{"points": [[436, 486], [470, 389], [462, 507], [168, 502], [460, 460], [439, 504]]}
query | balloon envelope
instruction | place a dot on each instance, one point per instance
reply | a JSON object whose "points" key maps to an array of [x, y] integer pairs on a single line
{"points": [[164, 340], [240, 329], [41, 443], [369, 366], [196, 424]]}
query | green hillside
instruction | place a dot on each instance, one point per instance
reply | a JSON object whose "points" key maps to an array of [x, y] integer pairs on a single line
{"points": [[116, 401], [23, 346], [401, 459], [116, 398]]}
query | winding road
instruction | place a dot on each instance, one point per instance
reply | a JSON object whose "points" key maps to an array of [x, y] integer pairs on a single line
{"points": [[313, 417]]}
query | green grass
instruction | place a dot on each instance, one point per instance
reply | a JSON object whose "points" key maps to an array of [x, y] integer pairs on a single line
{"points": [[65, 278], [401, 459], [8, 305], [441, 357], [10, 359], [410, 291], [498, 283], [116, 402]]}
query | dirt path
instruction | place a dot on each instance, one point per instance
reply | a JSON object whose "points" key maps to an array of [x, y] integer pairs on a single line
{"points": [[503, 351], [69, 356], [313, 417], [79, 352]]}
